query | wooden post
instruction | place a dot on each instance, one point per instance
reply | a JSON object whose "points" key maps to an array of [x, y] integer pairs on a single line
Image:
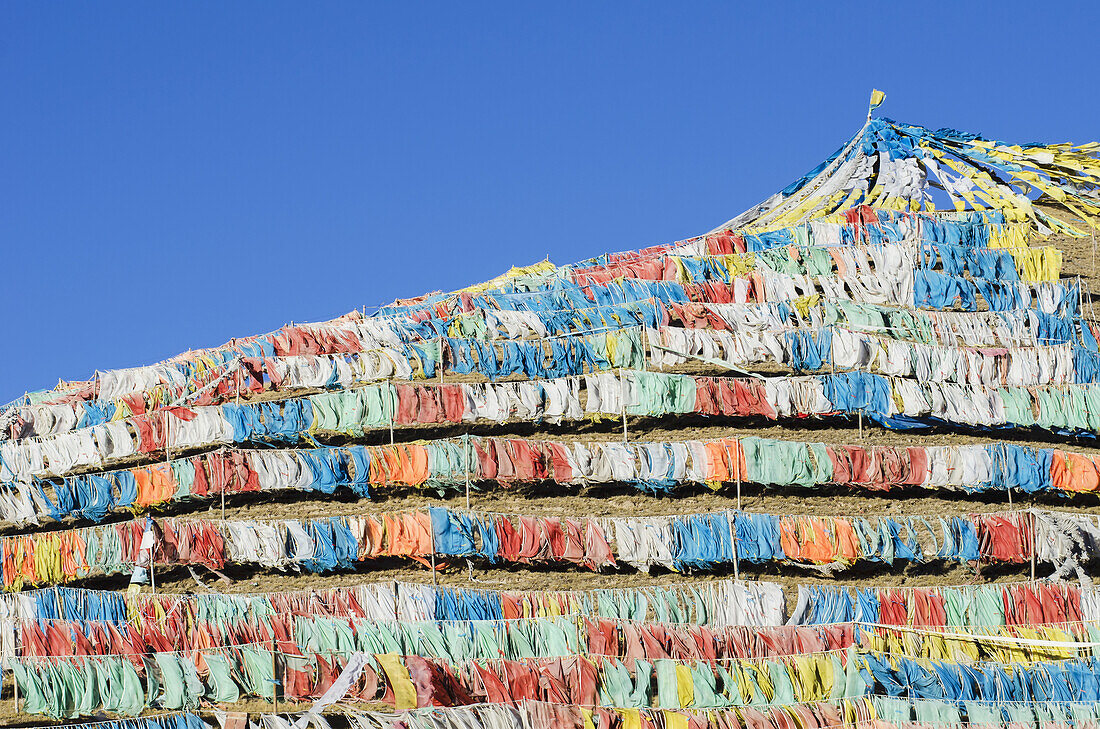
{"points": [[736, 555], [622, 402], [440, 363], [737, 469], [832, 362], [1080, 297], [14, 683], [274, 678], [1092, 306], [238, 404], [467, 451], [1034, 534], [435, 579], [577, 653], [645, 358], [391, 428]]}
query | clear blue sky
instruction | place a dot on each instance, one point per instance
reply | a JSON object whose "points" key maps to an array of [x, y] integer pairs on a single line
{"points": [[173, 175]]}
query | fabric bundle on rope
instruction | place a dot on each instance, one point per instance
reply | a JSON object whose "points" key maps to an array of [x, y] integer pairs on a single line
{"points": [[809, 350], [871, 712], [895, 402], [126, 685], [451, 641], [773, 322], [963, 606], [588, 680], [355, 350], [889, 165], [1036, 643], [682, 542], [719, 603], [173, 681], [651, 467], [1058, 681]]}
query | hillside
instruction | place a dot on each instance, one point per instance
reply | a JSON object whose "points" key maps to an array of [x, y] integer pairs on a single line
{"points": [[841, 408]]}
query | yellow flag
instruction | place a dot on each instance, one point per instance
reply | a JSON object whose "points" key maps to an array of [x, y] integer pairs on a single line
{"points": [[404, 692], [133, 591], [685, 688], [877, 97], [674, 720], [631, 718]]}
